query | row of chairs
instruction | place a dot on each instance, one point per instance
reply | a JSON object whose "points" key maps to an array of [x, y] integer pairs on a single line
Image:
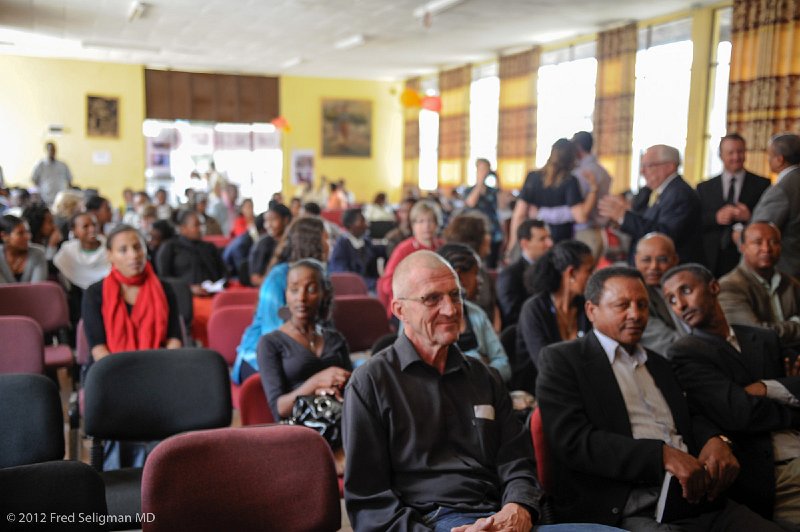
{"points": [[288, 472]]}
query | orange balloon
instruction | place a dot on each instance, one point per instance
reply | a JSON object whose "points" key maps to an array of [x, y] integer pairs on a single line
{"points": [[410, 98]]}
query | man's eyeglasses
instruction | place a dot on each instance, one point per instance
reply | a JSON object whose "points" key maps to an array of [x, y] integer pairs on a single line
{"points": [[433, 299]]}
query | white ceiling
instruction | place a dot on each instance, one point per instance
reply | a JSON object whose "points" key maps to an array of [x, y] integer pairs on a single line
{"points": [[261, 36]]}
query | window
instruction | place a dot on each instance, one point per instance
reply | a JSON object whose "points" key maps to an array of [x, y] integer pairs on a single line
{"points": [[718, 105], [249, 155], [484, 115], [566, 92], [661, 102], [429, 139]]}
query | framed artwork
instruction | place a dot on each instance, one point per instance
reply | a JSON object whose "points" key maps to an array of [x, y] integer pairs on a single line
{"points": [[346, 128], [102, 116], [302, 167]]}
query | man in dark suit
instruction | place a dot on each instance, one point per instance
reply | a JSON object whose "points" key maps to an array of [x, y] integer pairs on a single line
{"points": [[616, 420], [534, 240], [736, 376], [728, 199], [667, 205], [781, 203]]}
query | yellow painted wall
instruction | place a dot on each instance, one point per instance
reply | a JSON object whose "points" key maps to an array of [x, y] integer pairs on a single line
{"points": [[39, 92], [301, 104]]}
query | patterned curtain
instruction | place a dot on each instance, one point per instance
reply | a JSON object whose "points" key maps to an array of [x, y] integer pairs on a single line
{"points": [[411, 146], [454, 88], [516, 136], [613, 108], [764, 90]]}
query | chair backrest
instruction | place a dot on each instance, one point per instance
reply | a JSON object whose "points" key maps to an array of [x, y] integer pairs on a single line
{"points": [[183, 295], [378, 229], [361, 320], [333, 215], [152, 394], [253, 406], [235, 297], [45, 302], [383, 342], [64, 487], [523, 372], [541, 450], [226, 327], [31, 420], [21, 345], [255, 478], [82, 351], [348, 284]]}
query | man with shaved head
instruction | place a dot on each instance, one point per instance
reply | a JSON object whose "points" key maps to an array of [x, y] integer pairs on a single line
{"points": [[655, 254], [431, 439], [756, 293]]}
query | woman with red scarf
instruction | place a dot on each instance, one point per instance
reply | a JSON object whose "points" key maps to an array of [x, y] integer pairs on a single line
{"points": [[130, 309]]}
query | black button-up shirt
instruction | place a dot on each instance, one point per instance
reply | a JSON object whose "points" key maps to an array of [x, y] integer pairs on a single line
{"points": [[416, 439]]}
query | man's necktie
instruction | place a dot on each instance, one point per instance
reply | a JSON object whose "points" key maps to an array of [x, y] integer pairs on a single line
{"points": [[653, 198], [731, 200]]}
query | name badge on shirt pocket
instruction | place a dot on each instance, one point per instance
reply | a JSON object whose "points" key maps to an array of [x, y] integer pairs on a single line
{"points": [[484, 412]]}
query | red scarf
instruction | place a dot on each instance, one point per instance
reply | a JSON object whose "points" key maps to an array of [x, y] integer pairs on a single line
{"points": [[146, 326]]}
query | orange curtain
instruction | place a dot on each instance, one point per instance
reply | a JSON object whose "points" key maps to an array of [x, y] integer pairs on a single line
{"points": [[411, 134], [764, 87], [613, 108], [516, 136], [454, 88]]}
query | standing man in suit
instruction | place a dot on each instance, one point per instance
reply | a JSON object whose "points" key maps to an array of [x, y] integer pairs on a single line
{"points": [[781, 203], [736, 376], [667, 205], [616, 420], [728, 199], [655, 254], [534, 241]]}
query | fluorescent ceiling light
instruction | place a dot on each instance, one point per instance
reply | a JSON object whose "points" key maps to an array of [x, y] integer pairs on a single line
{"points": [[434, 7], [34, 41], [294, 61], [121, 46], [136, 10], [350, 42]]}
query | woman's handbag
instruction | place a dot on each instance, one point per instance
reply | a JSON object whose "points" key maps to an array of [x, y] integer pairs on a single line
{"points": [[322, 413]]}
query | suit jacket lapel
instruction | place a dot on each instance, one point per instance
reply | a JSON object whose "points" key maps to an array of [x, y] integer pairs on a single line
{"points": [[716, 192], [746, 342], [752, 355], [604, 385]]}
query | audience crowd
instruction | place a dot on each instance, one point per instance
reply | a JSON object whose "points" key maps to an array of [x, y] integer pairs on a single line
{"points": [[673, 363]]}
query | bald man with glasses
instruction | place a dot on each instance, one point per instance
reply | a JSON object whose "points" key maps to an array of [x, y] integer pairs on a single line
{"points": [[431, 439]]}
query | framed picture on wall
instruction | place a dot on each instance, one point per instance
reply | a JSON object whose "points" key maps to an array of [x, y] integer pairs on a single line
{"points": [[346, 128], [102, 116]]}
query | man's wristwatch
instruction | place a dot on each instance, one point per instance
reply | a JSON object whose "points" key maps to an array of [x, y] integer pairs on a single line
{"points": [[725, 439]]}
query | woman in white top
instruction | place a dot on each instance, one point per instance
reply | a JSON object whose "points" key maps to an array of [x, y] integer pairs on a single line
{"points": [[82, 260]]}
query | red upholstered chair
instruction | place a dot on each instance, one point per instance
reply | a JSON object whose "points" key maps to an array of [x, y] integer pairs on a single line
{"points": [[279, 477], [22, 342], [225, 329], [253, 406], [333, 215], [541, 450], [361, 320], [218, 240], [45, 302], [348, 284], [236, 297]]}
